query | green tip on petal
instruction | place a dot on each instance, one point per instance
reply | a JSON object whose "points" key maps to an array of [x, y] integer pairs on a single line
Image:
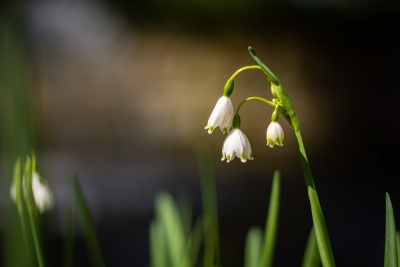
{"points": [[228, 158], [270, 143], [243, 158]]}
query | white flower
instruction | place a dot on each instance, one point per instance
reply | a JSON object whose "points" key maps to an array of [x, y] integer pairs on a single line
{"points": [[236, 144], [42, 194], [275, 134], [221, 116]]}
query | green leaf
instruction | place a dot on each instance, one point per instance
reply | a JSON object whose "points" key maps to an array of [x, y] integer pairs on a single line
{"points": [[210, 209], [271, 225], [87, 225], [158, 244], [253, 247], [69, 240], [271, 76], [398, 247], [311, 255], [390, 237], [171, 220]]}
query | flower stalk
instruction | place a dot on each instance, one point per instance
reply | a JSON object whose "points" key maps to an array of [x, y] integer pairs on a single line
{"points": [[237, 144], [321, 231]]}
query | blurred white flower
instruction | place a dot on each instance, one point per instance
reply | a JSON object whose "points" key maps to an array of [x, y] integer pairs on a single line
{"points": [[221, 116], [42, 194], [275, 134], [236, 144]]}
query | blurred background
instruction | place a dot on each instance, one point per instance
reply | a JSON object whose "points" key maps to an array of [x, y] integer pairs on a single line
{"points": [[119, 92]]}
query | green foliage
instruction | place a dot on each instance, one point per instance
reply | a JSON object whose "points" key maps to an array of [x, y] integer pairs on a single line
{"points": [[311, 254], [87, 225], [259, 250], [391, 259]]}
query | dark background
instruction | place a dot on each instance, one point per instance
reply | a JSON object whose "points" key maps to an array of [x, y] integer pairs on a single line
{"points": [[120, 91]]}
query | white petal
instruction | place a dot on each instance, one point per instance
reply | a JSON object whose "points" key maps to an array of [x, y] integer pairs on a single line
{"points": [[221, 116], [275, 134], [41, 193], [236, 144]]}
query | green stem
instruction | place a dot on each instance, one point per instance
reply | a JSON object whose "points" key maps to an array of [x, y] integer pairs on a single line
{"points": [[36, 243], [255, 98], [321, 231], [270, 103], [254, 67]]}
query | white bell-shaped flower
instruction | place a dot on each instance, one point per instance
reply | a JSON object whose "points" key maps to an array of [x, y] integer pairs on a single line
{"points": [[275, 135], [42, 194], [221, 116], [236, 144]]}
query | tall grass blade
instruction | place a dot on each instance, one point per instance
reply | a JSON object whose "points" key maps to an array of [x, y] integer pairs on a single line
{"points": [[253, 247], [398, 247], [69, 240], [194, 242], [158, 244], [210, 210], [311, 254], [88, 225], [172, 222], [271, 225], [390, 237]]}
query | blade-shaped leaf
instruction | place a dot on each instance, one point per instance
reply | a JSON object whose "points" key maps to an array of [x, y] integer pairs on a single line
{"points": [[311, 254], [253, 247], [390, 237], [271, 224], [87, 225]]}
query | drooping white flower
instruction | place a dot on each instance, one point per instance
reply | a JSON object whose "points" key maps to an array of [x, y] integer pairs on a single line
{"points": [[236, 144], [42, 194], [221, 116], [275, 135]]}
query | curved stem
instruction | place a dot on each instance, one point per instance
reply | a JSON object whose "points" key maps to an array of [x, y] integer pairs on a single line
{"points": [[278, 106], [255, 98], [254, 67]]}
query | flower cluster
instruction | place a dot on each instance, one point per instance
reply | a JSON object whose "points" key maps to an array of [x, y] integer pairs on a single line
{"points": [[236, 143]]}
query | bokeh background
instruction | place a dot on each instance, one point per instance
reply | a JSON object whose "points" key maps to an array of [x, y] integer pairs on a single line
{"points": [[119, 92]]}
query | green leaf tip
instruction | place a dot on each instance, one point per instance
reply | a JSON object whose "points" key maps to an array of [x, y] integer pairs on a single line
{"points": [[271, 76], [390, 236]]}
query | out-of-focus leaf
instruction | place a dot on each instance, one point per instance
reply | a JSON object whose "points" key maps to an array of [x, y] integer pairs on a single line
{"points": [[253, 247], [390, 237], [311, 254]]}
